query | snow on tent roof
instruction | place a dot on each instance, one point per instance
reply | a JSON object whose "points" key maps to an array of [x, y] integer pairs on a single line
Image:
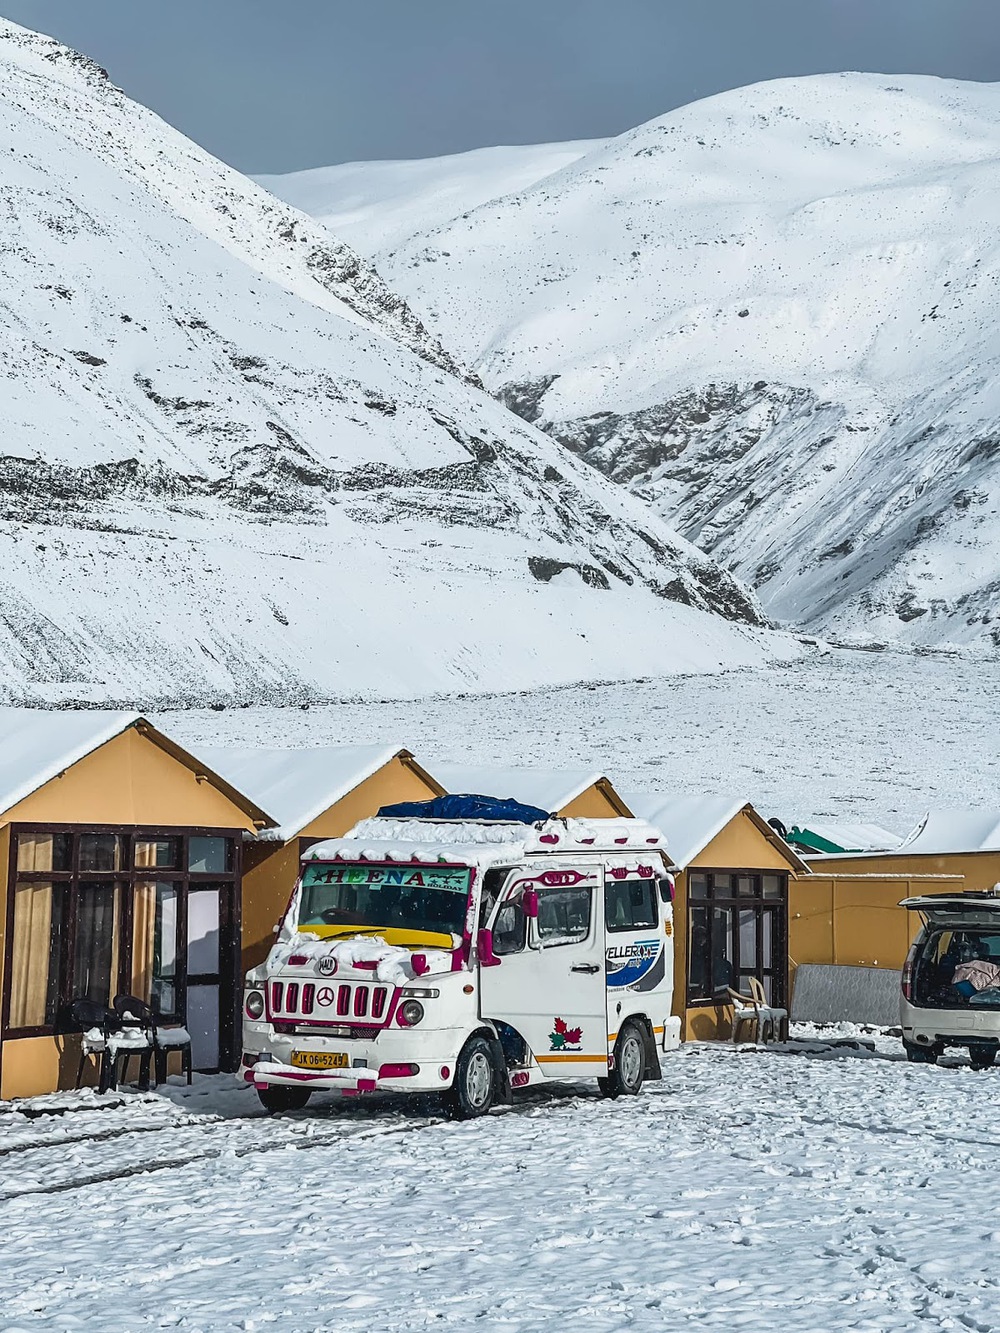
{"points": [[689, 823], [37, 745], [549, 789], [832, 836], [296, 786], [943, 831]]}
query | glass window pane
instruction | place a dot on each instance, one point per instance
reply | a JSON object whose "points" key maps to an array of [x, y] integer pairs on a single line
{"points": [[203, 932], [100, 851], [563, 916], [773, 885], [154, 946], [722, 886], [748, 941], [698, 955], [723, 973], [44, 851], [210, 856], [39, 912], [97, 942], [765, 951], [202, 1021], [158, 853], [509, 929], [630, 904], [746, 885], [698, 886]]}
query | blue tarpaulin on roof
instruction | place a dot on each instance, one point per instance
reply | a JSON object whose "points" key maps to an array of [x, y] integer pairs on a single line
{"points": [[466, 807]]}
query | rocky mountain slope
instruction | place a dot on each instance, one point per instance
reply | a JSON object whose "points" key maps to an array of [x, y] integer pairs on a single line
{"points": [[773, 315], [234, 465]]}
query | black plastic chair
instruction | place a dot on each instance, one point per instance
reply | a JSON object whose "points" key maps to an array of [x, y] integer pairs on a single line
{"points": [[90, 1016], [162, 1040]]}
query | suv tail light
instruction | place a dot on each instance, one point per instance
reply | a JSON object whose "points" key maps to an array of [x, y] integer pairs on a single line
{"points": [[907, 978]]}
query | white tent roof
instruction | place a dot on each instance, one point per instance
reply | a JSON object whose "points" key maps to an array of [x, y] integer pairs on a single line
{"points": [[943, 831], [689, 823], [854, 837], [296, 786], [37, 745], [549, 789]]}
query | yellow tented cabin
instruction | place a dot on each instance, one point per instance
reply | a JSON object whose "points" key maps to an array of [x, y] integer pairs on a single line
{"points": [[730, 908], [120, 868], [313, 794], [571, 793]]}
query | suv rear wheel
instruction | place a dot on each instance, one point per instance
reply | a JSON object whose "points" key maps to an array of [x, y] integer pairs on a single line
{"points": [[921, 1055], [625, 1079], [475, 1087], [984, 1058]]}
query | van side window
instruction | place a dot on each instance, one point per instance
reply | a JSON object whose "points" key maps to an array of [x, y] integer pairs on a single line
{"points": [[563, 916], [509, 929], [630, 904]]}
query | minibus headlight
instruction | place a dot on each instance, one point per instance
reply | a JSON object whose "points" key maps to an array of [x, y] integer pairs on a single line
{"points": [[410, 1013], [254, 1005]]}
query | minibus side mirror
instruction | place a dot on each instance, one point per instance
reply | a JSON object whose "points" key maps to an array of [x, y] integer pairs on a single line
{"points": [[666, 890], [484, 948], [529, 903]]}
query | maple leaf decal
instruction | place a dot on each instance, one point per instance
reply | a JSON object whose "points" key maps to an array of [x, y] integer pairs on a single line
{"points": [[563, 1038]]}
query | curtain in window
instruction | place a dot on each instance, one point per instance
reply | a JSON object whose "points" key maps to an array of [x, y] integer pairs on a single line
{"points": [[34, 992], [95, 957], [154, 945]]}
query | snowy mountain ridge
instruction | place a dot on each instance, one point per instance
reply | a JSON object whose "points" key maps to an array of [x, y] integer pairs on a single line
{"points": [[772, 315], [236, 467]]}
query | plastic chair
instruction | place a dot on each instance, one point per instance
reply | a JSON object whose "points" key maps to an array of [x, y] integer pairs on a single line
{"points": [[768, 1021], [98, 1025], [162, 1040]]}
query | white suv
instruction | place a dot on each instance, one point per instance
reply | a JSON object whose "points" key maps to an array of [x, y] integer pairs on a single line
{"points": [[951, 978]]}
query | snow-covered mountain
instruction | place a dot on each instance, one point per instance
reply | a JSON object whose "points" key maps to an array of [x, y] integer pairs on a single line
{"points": [[378, 206], [234, 465], [774, 315]]}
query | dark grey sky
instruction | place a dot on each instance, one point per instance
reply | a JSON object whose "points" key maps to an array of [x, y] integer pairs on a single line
{"points": [[276, 85]]}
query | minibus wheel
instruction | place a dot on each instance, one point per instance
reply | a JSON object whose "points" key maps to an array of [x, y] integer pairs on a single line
{"points": [[625, 1079], [475, 1087], [283, 1099]]}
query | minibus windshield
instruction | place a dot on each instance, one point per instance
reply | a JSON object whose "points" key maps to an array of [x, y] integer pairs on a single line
{"points": [[401, 897]]}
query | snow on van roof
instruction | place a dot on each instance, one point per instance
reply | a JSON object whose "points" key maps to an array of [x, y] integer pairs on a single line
{"points": [[297, 786], [944, 831], [548, 788], [481, 842], [36, 745]]}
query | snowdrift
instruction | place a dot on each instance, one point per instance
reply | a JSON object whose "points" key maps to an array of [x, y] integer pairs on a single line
{"points": [[235, 466]]}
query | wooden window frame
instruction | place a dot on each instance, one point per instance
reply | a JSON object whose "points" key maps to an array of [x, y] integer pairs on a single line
{"points": [[230, 942], [729, 898]]}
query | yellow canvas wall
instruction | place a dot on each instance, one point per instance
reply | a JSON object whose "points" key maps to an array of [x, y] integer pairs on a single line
{"points": [[980, 870], [271, 868], [130, 780], [855, 920], [598, 801]]}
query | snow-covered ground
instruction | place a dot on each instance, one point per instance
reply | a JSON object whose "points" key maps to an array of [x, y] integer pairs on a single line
{"points": [[876, 737], [750, 1190]]}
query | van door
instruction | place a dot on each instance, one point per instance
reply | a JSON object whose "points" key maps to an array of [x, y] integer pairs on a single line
{"points": [[550, 982]]}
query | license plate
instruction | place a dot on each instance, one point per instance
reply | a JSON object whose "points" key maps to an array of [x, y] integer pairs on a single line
{"points": [[319, 1059]]}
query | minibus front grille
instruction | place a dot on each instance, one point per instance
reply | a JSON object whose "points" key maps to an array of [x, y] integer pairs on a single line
{"points": [[361, 1006]]}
